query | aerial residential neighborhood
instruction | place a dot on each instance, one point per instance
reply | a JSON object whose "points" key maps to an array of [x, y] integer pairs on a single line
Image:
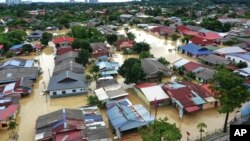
{"points": [[142, 70]]}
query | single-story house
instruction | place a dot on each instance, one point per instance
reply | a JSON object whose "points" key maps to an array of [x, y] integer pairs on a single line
{"points": [[214, 60], [201, 41], [106, 30], [180, 63], [63, 41], [162, 30], [69, 65], [194, 50], [6, 113], [62, 50], [67, 83], [108, 83], [229, 50], [205, 75], [153, 94], [103, 58], [245, 72], [106, 95], [193, 67], [108, 68], [124, 44], [35, 35], [152, 68], [99, 49], [17, 49], [237, 58], [124, 116], [71, 55], [172, 58], [12, 75], [126, 17], [17, 63]]}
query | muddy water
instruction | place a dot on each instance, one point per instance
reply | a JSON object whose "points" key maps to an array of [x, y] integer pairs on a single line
{"points": [[37, 104]]}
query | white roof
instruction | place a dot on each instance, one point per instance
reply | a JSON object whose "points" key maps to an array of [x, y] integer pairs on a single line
{"points": [[210, 99], [243, 72], [229, 50], [172, 58], [154, 93], [180, 63], [101, 94], [39, 136], [9, 87]]}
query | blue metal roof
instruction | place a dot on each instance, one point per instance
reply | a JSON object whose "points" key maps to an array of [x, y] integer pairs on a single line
{"points": [[195, 49], [243, 56], [245, 110], [124, 117], [16, 47]]}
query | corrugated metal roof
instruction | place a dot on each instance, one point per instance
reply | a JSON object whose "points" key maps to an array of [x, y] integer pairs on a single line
{"points": [[180, 63], [154, 93], [230, 50], [195, 49]]}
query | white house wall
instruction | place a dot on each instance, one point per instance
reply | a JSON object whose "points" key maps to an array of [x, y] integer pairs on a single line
{"points": [[237, 59], [68, 92]]}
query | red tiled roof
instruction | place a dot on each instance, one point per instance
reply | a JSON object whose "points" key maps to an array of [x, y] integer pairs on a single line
{"points": [[144, 85], [69, 136], [8, 112], [61, 50], [125, 43], [185, 30], [190, 66], [209, 35], [162, 29], [1, 47], [192, 109], [201, 41], [203, 93], [58, 40]]}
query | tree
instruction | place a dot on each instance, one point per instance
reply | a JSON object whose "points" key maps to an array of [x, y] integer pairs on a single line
{"points": [[46, 37], [83, 57], [132, 71], [93, 100], [163, 61], [81, 44], [160, 130], [131, 36], [201, 127], [27, 48], [95, 71], [241, 65], [230, 90], [174, 37], [145, 54], [140, 47], [111, 39], [12, 127]]}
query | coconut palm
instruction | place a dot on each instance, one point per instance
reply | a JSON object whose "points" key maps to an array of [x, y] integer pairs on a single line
{"points": [[201, 127]]}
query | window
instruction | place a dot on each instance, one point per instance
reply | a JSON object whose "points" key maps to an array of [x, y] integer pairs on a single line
{"points": [[81, 89], [54, 93], [63, 92], [73, 91]]}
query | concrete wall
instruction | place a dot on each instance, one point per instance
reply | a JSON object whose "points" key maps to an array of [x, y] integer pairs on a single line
{"points": [[68, 92]]}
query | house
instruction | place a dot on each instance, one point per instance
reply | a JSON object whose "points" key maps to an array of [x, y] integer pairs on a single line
{"points": [[67, 83], [68, 65], [103, 58], [71, 55], [13, 75], [180, 63], [72, 124], [183, 98], [126, 17], [193, 67], [152, 68], [162, 30], [214, 60], [47, 126], [124, 44], [17, 49], [107, 95], [61, 50], [63, 41], [99, 49], [172, 58], [245, 72], [124, 116], [237, 58], [16, 63], [229, 50], [35, 35], [106, 30], [193, 50], [6, 113], [108, 68], [17, 89], [152, 94], [108, 83], [201, 41], [212, 36], [205, 75]]}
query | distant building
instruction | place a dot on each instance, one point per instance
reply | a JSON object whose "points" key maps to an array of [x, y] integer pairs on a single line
{"points": [[12, 2], [91, 1]]}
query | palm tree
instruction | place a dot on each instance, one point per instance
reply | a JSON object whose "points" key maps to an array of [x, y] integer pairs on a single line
{"points": [[200, 126]]}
